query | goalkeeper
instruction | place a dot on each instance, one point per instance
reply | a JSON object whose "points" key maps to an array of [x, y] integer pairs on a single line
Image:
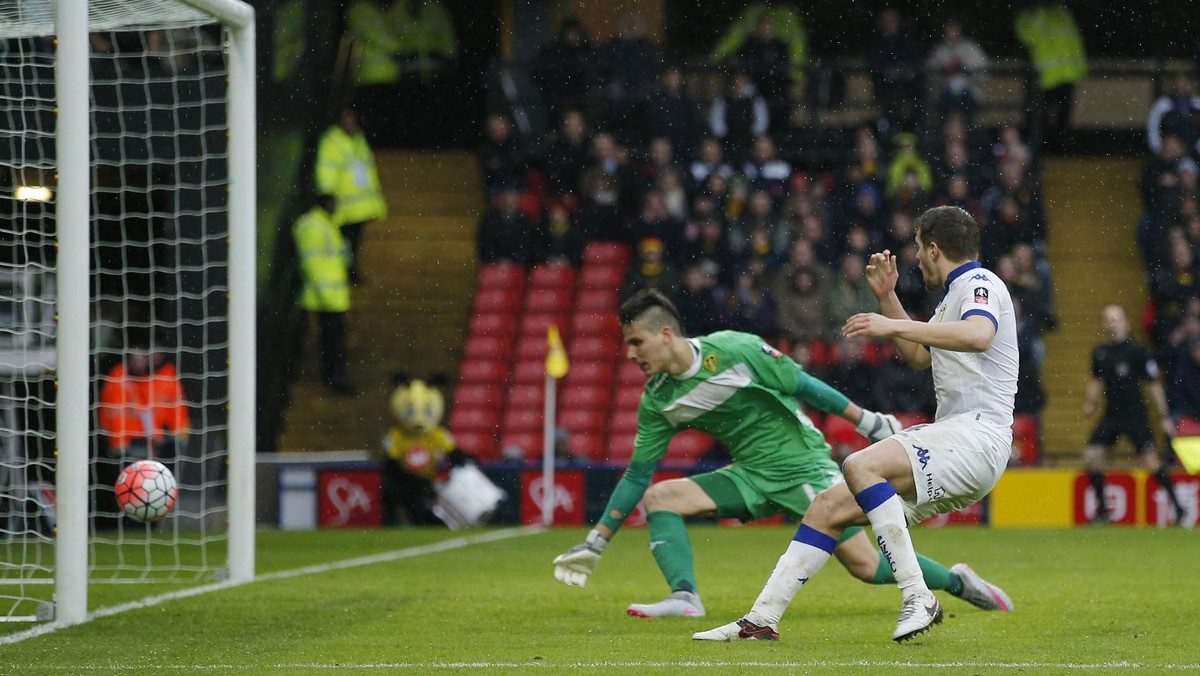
{"points": [[740, 390]]}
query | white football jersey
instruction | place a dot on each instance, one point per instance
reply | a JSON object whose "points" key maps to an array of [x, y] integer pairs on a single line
{"points": [[984, 383]]}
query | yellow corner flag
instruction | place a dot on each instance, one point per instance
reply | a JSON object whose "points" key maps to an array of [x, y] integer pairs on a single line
{"points": [[1188, 451], [556, 355]]}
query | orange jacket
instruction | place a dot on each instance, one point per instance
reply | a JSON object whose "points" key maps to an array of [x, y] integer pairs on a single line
{"points": [[142, 407]]}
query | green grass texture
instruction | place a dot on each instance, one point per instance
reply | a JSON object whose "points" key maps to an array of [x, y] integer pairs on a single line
{"points": [[1087, 600]]}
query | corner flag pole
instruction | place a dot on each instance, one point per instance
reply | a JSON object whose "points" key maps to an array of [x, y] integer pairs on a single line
{"points": [[556, 367]]}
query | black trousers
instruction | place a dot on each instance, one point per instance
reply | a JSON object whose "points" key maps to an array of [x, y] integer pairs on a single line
{"points": [[331, 328]]}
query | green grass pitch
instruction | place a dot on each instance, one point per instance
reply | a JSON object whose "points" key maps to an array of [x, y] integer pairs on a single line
{"points": [[1087, 601]]}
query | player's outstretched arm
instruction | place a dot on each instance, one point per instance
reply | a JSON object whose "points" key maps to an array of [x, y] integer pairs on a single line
{"points": [[973, 334], [574, 566], [823, 397]]}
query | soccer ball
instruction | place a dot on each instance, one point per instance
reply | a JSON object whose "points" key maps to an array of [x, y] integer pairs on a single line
{"points": [[146, 491]]}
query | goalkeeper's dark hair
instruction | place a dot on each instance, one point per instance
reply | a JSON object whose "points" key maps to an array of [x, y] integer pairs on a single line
{"points": [[954, 230], [651, 307]]}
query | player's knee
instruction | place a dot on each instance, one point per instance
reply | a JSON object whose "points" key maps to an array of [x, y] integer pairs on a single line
{"points": [[659, 497]]}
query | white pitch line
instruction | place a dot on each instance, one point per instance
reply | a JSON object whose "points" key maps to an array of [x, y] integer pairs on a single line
{"points": [[549, 664], [408, 552]]}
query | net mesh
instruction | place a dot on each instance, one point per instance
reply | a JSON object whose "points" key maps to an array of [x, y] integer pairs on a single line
{"points": [[159, 274]]}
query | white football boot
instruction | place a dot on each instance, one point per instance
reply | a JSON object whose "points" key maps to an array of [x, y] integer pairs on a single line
{"points": [[978, 591], [680, 603], [743, 629], [917, 615]]}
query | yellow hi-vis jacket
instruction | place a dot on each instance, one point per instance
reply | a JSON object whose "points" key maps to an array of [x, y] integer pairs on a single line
{"points": [[324, 261], [371, 29], [1055, 45], [346, 169]]}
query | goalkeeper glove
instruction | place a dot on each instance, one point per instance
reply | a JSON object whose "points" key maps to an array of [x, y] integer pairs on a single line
{"points": [[574, 567], [877, 426]]}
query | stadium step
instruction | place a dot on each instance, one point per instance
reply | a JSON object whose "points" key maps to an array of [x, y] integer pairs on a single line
{"points": [[411, 312], [1093, 204]]}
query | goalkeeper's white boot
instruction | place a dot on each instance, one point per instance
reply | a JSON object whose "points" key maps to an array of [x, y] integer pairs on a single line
{"points": [[917, 615], [978, 591], [742, 630], [680, 603]]}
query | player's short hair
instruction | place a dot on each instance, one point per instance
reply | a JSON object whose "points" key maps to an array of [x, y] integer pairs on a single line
{"points": [[954, 230], [651, 307]]}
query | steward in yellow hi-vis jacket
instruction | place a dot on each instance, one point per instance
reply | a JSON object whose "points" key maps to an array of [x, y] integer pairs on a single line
{"points": [[345, 168], [324, 263]]}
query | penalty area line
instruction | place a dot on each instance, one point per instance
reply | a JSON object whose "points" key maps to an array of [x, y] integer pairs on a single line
{"points": [[395, 555]]}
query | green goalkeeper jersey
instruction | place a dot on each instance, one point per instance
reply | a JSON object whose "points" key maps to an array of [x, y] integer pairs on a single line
{"points": [[742, 392]]}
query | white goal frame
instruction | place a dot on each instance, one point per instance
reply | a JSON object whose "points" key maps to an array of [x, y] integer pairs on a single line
{"points": [[73, 219]]}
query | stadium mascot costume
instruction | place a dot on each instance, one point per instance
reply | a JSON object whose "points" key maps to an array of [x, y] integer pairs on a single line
{"points": [[418, 452]]}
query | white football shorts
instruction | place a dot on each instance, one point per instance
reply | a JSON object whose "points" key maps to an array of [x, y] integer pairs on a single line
{"points": [[955, 462]]}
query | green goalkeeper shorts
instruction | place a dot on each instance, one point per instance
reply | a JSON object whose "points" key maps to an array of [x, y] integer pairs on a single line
{"points": [[747, 496]]}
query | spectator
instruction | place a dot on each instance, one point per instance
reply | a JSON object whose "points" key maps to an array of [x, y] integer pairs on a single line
{"points": [[802, 305], [567, 155], [1162, 186], [697, 300], [565, 69], [1173, 288], [1056, 49], [505, 234], [801, 254], [755, 233], [849, 294], [600, 216], [501, 158], [901, 388], [345, 169], [1175, 113], [671, 114], [670, 186], [142, 413], [650, 269], [747, 307], [766, 172], [895, 63], [957, 65], [655, 222], [561, 236], [765, 21], [765, 58], [324, 269], [710, 161], [1120, 366], [629, 68], [909, 178], [738, 116], [1184, 392]]}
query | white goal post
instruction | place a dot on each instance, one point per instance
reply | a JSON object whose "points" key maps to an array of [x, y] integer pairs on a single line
{"points": [[66, 351]]}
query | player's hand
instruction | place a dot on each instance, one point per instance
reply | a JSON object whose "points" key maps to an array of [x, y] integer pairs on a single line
{"points": [[878, 426], [867, 325], [573, 567], [882, 274]]}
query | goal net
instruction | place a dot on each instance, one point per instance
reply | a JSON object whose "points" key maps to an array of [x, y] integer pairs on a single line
{"points": [[126, 293]]}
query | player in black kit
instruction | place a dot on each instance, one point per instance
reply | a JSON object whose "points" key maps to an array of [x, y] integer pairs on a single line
{"points": [[1119, 367]]}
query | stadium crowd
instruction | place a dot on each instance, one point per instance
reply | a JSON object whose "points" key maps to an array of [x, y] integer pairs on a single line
{"points": [[747, 225]]}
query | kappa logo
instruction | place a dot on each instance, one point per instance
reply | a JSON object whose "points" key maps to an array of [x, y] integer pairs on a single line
{"points": [[981, 277], [922, 456]]}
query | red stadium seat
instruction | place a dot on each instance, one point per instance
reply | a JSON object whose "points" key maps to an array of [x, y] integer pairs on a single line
{"points": [[593, 348], [523, 419], [497, 300], [595, 324], [531, 371], [842, 435], [1188, 426], [483, 445], [689, 445], [530, 442], [483, 371], [1027, 437], [527, 396], [552, 276], [590, 373], [488, 347], [619, 448], [628, 397], [910, 419], [600, 301], [605, 253], [536, 324], [584, 397], [478, 395], [549, 300], [477, 419], [532, 346], [588, 446], [629, 374], [602, 277], [623, 421], [493, 324], [500, 276], [583, 421]]}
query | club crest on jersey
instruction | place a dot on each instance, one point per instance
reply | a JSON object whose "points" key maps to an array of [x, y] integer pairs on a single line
{"points": [[710, 363], [770, 351], [981, 295]]}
